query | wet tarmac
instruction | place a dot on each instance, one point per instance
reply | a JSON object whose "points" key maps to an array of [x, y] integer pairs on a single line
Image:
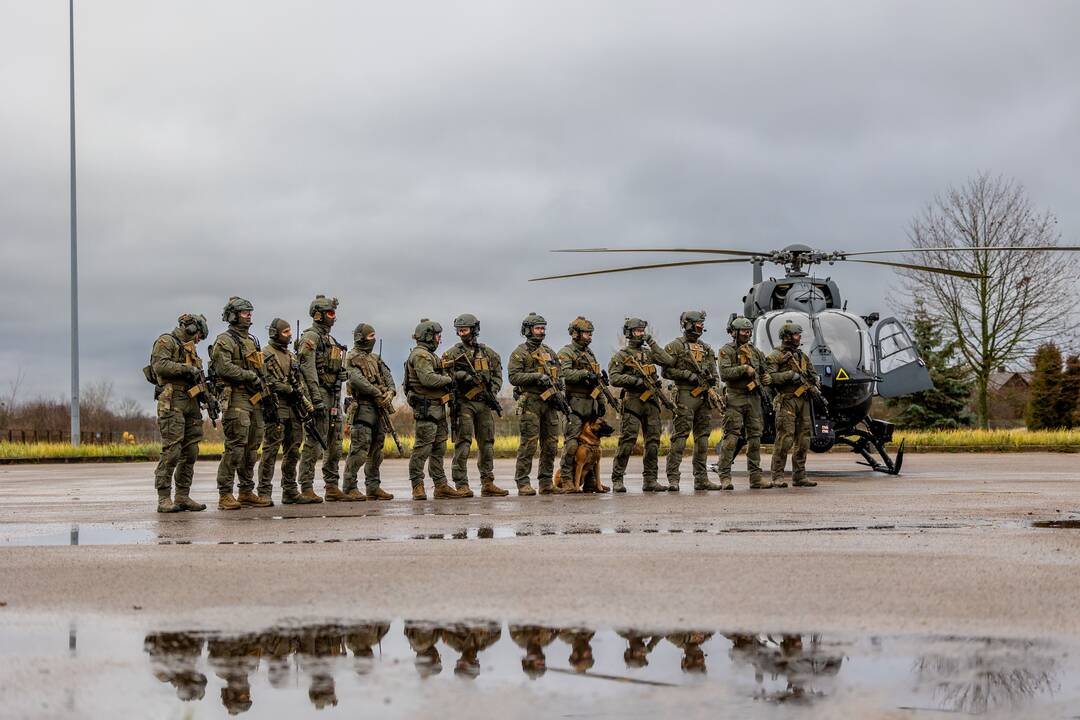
{"points": [[416, 668]]}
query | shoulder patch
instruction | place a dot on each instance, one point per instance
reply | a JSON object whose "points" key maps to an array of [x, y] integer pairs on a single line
{"points": [[309, 344]]}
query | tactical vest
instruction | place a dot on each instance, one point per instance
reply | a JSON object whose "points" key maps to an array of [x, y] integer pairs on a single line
{"points": [[329, 357], [640, 356], [583, 360], [413, 387], [745, 354], [181, 352], [245, 352], [541, 360], [476, 356], [370, 367], [700, 353], [797, 362]]}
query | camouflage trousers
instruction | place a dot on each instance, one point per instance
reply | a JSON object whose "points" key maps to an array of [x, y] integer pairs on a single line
{"points": [[792, 436], [243, 429], [180, 424], [539, 428], [585, 408], [643, 417], [284, 437], [429, 446], [475, 419], [329, 427], [743, 416], [365, 449], [693, 415]]}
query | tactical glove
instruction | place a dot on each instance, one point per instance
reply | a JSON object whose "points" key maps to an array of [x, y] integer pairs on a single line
{"points": [[796, 377]]}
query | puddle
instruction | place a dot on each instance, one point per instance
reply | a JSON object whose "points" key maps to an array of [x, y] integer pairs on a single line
{"points": [[30, 534], [406, 668]]}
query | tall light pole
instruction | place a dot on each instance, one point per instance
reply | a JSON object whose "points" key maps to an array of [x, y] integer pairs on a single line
{"points": [[74, 241]]}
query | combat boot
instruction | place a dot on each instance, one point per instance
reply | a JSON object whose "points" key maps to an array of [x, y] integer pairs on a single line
{"points": [[673, 487], [465, 491], [418, 493], [379, 494], [525, 490], [184, 502], [166, 505], [706, 484], [250, 499], [759, 485], [443, 491], [778, 483], [803, 482], [332, 493], [355, 495], [488, 488], [653, 486], [308, 497], [268, 498], [228, 502], [617, 485], [552, 490], [290, 497], [727, 485]]}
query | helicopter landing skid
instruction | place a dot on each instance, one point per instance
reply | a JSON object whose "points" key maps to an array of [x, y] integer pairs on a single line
{"points": [[863, 445]]}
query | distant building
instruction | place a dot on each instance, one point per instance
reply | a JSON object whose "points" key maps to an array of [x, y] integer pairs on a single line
{"points": [[1008, 391]]}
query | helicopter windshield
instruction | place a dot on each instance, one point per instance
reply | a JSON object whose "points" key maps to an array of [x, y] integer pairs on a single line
{"points": [[770, 339], [844, 338]]}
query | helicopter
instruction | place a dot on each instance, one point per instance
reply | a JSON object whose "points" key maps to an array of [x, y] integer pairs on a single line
{"points": [[856, 356]]}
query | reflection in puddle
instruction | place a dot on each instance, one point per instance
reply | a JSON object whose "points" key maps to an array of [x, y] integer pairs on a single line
{"points": [[1057, 524], [397, 668]]}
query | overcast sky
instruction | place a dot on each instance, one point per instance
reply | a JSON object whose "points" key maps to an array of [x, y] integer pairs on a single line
{"points": [[420, 159]]}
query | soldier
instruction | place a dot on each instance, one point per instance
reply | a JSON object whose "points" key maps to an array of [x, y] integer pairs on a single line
{"points": [[695, 378], [581, 372], [322, 361], [534, 375], [742, 368], [176, 371], [474, 415], [793, 379], [286, 434], [237, 361], [371, 387], [427, 388], [640, 406]]}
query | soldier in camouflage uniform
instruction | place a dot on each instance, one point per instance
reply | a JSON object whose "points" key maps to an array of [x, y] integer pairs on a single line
{"points": [[742, 368], [175, 368], [581, 372], [237, 361], [640, 408], [371, 387], [427, 388], [322, 363], [533, 372], [695, 378], [285, 435], [793, 380], [475, 418]]}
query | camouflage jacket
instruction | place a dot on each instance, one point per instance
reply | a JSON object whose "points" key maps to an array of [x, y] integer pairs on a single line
{"points": [[576, 362], [321, 357], [681, 351], [529, 364], [369, 378], [783, 364], [170, 359], [734, 361], [424, 376], [237, 361], [627, 366], [279, 362]]}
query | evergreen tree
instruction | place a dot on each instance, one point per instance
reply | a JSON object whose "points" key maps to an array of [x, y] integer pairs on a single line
{"points": [[1044, 408], [1070, 392], [944, 405]]}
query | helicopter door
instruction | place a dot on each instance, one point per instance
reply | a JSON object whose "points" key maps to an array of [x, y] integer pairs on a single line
{"points": [[899, 367]]}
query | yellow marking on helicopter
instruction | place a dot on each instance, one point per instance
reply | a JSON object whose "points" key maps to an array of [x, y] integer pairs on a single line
{"points": [[841, 374]]}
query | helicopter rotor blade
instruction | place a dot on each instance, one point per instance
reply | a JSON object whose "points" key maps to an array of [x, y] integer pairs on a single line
{"points": [[1031, 248], [710, 251], [639, 267], [924, 268]]}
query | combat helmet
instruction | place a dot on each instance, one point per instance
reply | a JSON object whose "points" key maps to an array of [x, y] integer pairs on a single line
{"points": [[320, 306], [233, 308], [579, 325], [688, 319], [790, 329], [426, 331], [192, 324], [468, 320], [531, 320], [631, 324]]}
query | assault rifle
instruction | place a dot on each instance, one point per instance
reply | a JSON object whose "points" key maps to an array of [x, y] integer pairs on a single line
{"points": [[651, 385], [207, 397], [298, 402], [805, 385], [384, 413], [556, 392], [479, 383], [603, 385], [715, 401]]}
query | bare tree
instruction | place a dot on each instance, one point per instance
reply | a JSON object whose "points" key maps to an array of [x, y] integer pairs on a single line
{"points": [[1024, 298]]}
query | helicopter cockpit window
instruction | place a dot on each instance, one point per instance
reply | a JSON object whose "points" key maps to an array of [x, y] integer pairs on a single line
{"points": [[896, 349], [844, 338], [770, 339]]}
